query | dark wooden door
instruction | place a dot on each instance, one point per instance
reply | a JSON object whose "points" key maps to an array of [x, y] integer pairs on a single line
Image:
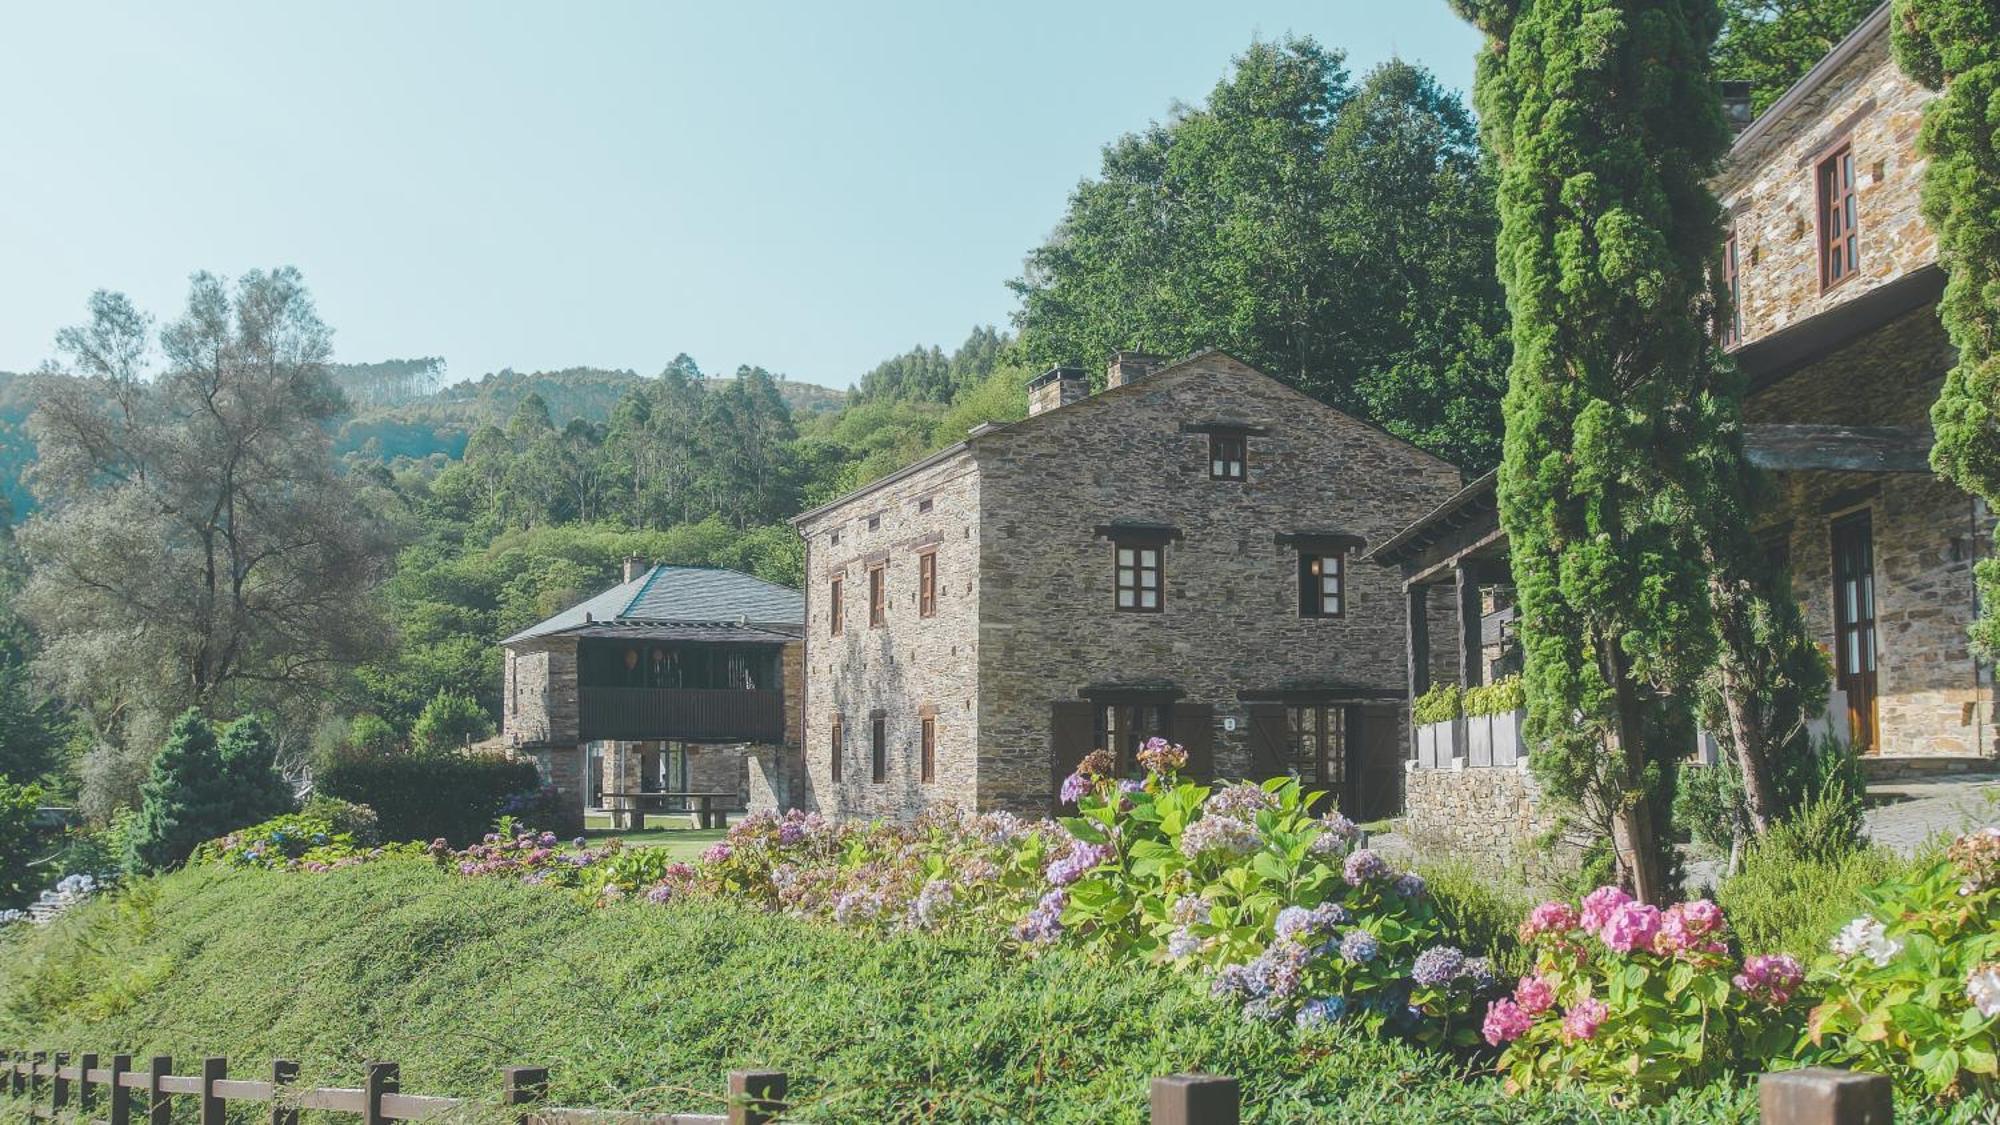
{"points": [[1072, 734], [1854, 626]]}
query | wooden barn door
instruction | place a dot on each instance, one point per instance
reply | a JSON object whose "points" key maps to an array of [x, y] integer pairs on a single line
{"points": [[1854, 626]]}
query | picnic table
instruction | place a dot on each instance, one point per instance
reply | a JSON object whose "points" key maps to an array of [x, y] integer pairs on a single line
{"points": [[628, 810]]}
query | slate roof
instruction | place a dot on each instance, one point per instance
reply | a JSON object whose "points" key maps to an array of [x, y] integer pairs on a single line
{"points": [[683, 603]]}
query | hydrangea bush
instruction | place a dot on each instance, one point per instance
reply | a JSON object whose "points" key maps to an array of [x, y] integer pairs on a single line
{"points": [[309, 841], [1912, 987], [1244, 882], [1634, 1001]]}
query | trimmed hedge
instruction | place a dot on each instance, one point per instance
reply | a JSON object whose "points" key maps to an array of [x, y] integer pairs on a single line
{"points": [[427, 795]]}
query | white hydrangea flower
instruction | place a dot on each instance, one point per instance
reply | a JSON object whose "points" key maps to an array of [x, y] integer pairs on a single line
{"points": [[1982, 987], [1865, 937]]}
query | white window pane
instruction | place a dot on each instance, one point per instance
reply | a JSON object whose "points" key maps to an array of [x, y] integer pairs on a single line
{"points": [[1149, 579], [1125, 555], [1149, 599], [1219, 468], [1333, 603], [1124, 599]]}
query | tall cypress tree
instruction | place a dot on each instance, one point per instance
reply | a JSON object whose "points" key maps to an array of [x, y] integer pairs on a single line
{"points": [[1607, 124], [1954, 46]]}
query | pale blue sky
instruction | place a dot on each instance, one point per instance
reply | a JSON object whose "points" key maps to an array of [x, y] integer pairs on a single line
{"points": [[810, 187]]}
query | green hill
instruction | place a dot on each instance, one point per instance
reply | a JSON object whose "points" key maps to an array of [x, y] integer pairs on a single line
{"points": [[649, 1006]]}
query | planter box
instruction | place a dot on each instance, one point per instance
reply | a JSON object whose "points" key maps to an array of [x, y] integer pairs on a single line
{"points": [[1439, 743], [1493, 740]]}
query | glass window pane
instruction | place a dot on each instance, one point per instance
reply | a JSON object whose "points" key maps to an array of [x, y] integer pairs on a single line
{"points": [[1148, 599], [1125, 599], [1125, 556]]}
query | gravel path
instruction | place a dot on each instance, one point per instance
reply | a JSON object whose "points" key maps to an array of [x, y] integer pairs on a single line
{"points": [[1905, 814]]}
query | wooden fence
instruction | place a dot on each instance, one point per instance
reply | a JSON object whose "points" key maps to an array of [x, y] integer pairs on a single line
{"points": [[53, 1087]]}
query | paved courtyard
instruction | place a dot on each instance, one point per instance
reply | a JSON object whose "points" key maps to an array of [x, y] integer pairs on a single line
{"points": [[1902, 814]]}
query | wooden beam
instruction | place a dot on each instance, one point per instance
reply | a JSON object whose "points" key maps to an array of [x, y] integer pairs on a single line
{"points": [[1808, 448], [1492, 542], [1417, 639], [1469, 641]]}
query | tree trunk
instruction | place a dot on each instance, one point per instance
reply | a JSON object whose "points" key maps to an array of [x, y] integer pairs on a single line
{"points": [[1746, 730], [1634, 837]]}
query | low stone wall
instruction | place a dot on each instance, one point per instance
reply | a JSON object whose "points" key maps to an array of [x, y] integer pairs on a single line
{"points": [[1493, 817]]}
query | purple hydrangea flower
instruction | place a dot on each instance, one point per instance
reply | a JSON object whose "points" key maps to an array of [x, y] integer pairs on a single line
{"points": [[1044, 922], [1242, 801], [1080, 860], [1293, 922], [1410, 885], [1319, 1013], [1360, 946], [1074, 787], [1225, 835], [1182, 944], [1437, 966], [1364, 866]]}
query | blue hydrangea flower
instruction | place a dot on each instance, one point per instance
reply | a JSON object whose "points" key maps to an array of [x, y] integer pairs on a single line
{"points": [[1437, 966], [1319, 1013], [1360, 947]]}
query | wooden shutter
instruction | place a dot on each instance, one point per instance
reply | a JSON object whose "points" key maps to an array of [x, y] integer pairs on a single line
{"points": [[1270, 749], [1194, 729], [1072, 729], [1375, 760]]}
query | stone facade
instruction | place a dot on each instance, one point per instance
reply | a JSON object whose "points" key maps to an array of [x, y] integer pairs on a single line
{"points": [[1019, 518], [1493, 818], [1934, 698], [1769, 189]]}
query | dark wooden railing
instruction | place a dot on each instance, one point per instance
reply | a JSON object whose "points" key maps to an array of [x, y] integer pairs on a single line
{"points": [[693, 714]]}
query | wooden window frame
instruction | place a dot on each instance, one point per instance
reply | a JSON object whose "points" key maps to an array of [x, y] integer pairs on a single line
{"points": [[1330, 728], [878, 595], [1730, 331], [1312, 583], [1838, 210], [836, 592], [836, 749], [927, 583], [1228, 456], [1122, 725], [1130, 578], [927, 760], [878, 748]]}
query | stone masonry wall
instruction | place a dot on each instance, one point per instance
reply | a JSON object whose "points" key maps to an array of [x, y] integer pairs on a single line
{"points": [[910, 665], [539, 697], [1934, 698], [1231, 621], [1770, 189], [1492, 817]]}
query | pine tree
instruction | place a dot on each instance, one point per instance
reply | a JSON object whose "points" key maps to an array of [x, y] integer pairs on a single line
{"points": [[185, 800], [250, 768], [1622, 484], [1954, 46]]}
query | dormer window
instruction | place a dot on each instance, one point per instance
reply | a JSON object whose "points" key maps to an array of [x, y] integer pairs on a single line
{"points": [[1228, 455], [1840, 248]]}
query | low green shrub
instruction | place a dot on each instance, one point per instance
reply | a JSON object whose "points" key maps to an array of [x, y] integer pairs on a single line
{"points": [[322, 837], [1475, 910], [1441, 704], [1912, 985], [1793, 892], [20, 843], [1497, 698], [428, 796]]}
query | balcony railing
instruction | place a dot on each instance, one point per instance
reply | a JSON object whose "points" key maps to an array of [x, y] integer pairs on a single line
{"points": [[685, 714]]}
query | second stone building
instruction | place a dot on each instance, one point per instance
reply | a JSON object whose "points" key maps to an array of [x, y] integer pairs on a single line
{"points": [[1177, 555]]}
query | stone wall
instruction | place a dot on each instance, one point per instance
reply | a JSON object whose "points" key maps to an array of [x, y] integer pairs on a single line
{"points": [[1231, 622], [908, 667], [538, 693], [1493, 817], [1770, 190], [1934, 698]]}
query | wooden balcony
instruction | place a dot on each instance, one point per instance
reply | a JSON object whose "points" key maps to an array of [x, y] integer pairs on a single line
{"points": [[680, 714]]}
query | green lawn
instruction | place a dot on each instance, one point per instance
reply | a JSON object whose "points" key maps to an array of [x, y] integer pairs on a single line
{"points": [[643, 1006], [684, 842]]}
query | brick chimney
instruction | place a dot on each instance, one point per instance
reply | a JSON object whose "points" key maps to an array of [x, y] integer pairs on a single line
{"points": [[634, 567], [1129, 367], [1058, 386], [1736, 105]]}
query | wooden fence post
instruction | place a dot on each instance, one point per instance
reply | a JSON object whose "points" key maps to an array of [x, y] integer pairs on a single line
{"points": [[85, 1092], [60, 1098], [524, 1086], [35, 1062], [159, 1104], [284, 1072], [213, 1070], [383, 1078], [756, 1097], [121, 1096], [1818, 1095], [1196, 1099]]}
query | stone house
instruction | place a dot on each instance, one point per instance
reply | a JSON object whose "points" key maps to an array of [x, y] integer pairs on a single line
{"points": [[1836, 282], [1179, 554], [678, 680]]}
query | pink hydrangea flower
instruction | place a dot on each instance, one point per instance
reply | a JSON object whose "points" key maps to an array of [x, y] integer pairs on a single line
{"points": [[1549, 918], [1770, 977], [1583, 1020], [1600, 904], [1505, 1022], [1535, 995], [1631, 926], [718, 852]]}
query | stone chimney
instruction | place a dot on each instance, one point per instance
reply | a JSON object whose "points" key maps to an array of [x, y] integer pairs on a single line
{"points": [[1129, 367], [1058, 386], [634, 567], [1736, 105]]}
